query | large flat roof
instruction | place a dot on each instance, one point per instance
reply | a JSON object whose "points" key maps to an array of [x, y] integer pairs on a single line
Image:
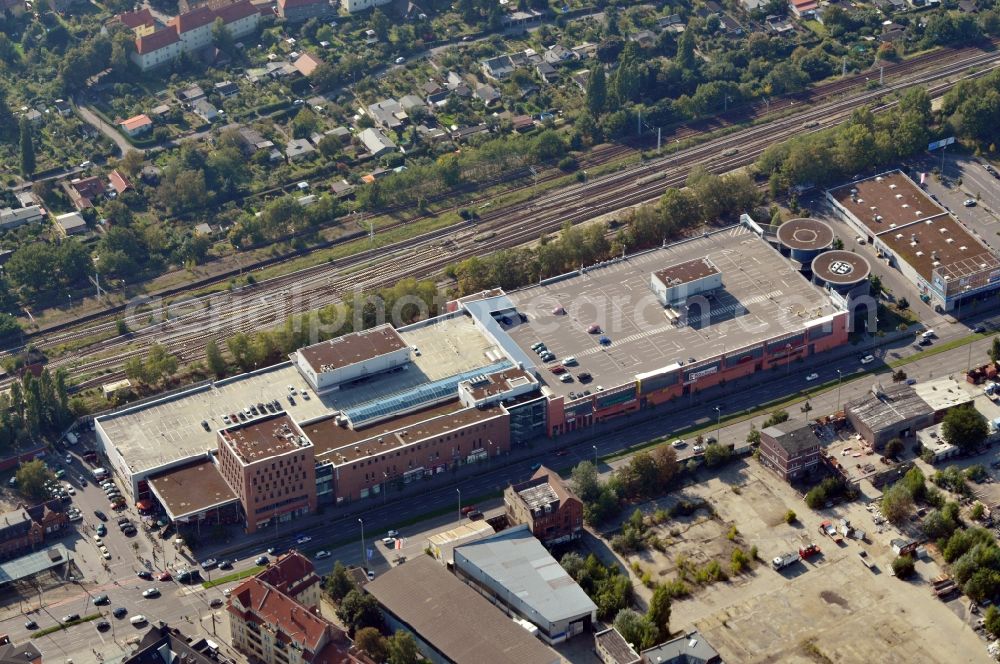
{"points": [[191, 489], [516, 561], [453, 618], [898, 403], [162, 432], [762, 297], [910, 223], [352, 348], [264, 438], [345, 445], [686, 272]]}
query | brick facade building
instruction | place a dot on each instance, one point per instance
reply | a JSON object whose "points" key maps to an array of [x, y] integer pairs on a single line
{"points": [[547, 506]]}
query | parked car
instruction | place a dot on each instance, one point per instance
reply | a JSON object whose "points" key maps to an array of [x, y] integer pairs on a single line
{"points": [[31, 625], [119, 612], [138, 620], [164, 576], [209, 564], [150, 593], [261, 561], [225, 564], [101, 600], [969, 202], [72, 617], [144, 574], [867, 359]]}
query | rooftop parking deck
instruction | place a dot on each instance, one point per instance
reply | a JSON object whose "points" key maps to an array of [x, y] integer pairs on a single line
{"points": [[762, 297]]}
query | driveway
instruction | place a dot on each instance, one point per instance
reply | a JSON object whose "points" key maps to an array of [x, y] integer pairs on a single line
{"points": [[100, 125]]}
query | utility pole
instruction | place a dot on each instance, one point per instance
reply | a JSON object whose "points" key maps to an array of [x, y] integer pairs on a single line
{"points": [[459, 491], [839, 377], [364, 557], [718, 423]]}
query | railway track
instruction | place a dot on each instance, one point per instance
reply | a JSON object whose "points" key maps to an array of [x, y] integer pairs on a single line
{"points": [[185, 327]]}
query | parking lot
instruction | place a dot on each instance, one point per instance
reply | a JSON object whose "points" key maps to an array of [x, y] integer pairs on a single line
{"points": [[828, 608], [978, 184]]}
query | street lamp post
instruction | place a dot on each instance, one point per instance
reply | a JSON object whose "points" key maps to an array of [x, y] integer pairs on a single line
{"points": [[459, 492], [595, 454], [839, 376], [718, 423], [385, 486], [363, 552]]}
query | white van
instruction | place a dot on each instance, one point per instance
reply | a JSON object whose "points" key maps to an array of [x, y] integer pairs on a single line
{"points": [[138, 620], [100, 473], [569, 361], [927, 334]]}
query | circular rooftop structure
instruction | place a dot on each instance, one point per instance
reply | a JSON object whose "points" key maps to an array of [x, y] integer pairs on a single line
{"points": [[805, 238], [840, 269]]}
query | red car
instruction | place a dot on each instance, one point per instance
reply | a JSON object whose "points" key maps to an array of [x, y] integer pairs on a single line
{"points": [[808, 551], [594, 329], [558, 369], [164, 576]]}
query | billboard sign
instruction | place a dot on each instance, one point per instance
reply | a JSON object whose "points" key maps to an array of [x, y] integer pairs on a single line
{"points": [[944, 142]]}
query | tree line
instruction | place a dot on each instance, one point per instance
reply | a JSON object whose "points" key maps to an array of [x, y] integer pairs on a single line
{"points": [[33, 408]]}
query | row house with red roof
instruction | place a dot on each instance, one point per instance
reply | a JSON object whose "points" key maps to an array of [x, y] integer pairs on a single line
{"points": [[192, 31]]}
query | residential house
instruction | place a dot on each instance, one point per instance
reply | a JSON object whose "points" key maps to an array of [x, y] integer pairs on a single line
{"points": [[342, 134], [25, 653], [891, 6], [14, 217], [665, 22], [558, 54], [297, 11], [160, 111], [24, 529], [192, 31], [191, 95], [803, 8], [33, 116], [270, 625], [712, 7], [156, 49], [306, 64], [730, 26], [431, 88], [205, 110], [226, 89], [580, 78], [439, 98], [376, 142], [498, 68], [644, 38], [522, 123], [891, 32], [463, 134], [790, 449], [453, 80], [253, 140], [585, 50], [410, 102], [968, 6], [299, 148], [778, 25], [352, 6], [487, 94], [342, 189], [546, 72], [63, 108], [139, 22], [70, 223], [83, 191], [547, 505], [388, 114], [203, 229], [163, 644], [751, 5]]}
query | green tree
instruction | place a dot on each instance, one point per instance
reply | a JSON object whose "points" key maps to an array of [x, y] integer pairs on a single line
{"points": [[636, 628], [903, 567], [991, 619], [221, 37], [371, 641], [338, 583], [897, 503], [380, 24], [585, 481], [659, 612], [31, 478], [597, 90], [716, 455], [893, 448], [216, 363], [790, 517], [994, 351], [8, 123], [358, 610], [10, 329], [964, 427], [403, 649], [27, 149], [159, 363]]}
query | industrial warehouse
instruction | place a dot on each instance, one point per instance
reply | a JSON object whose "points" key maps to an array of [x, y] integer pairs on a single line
{"points": [[345, 419], [924, 241]]}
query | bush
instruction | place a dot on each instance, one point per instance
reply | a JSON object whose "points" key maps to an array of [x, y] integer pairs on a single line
{"points": [[790, 517], [903, 567], [568, 164]]}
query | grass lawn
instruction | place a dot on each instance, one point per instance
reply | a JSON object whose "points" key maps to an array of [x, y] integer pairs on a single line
{"points": [[235, 576]]}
